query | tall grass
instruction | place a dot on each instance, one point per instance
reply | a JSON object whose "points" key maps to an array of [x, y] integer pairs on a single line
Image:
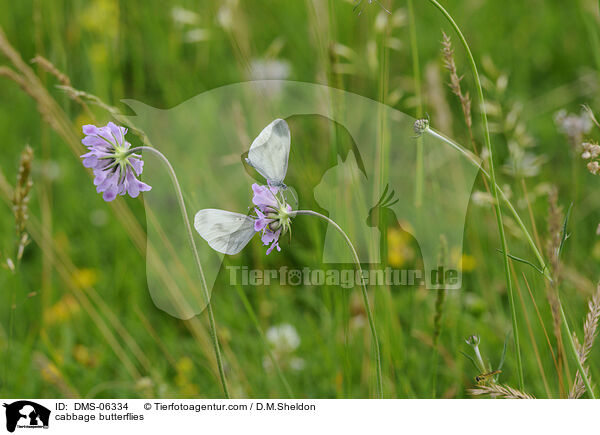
{"points": [[494, 189], [92, 329]]}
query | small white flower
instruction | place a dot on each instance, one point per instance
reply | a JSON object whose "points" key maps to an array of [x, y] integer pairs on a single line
{"points": [[482, 198], [590, 150], [270, 69], [283, 338], [571, 124], [184, 16], [196, 35], [297, 364], [225, 14]]}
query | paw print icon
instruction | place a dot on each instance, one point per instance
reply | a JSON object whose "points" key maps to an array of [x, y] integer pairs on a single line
{"points": [[294, 277]]}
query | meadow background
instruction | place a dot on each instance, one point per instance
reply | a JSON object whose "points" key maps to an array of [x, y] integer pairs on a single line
{"points": [[83, 323]]}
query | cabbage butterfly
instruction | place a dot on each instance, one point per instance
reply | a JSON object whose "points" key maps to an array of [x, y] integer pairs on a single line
{"points": [[269, 153], [228, 232], [225, 231]]}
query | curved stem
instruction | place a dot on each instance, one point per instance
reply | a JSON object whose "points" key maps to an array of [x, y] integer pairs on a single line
{"points": [[537, 253], [188, 227], [414, 48], [364, 293], [486, 131], [473, 159], [495, 190]]}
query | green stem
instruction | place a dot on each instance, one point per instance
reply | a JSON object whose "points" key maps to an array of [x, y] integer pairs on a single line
{"points": [[12, 307], [473, 159], [11, 322], [482, 366], [434, 362], [414, 48], [364, 293], [586, 381], [498, 210], [190, 235], [537, 253]]}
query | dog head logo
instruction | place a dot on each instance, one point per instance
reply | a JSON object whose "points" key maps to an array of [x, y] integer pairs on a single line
{"points": [[26, 414], [355, 157]]}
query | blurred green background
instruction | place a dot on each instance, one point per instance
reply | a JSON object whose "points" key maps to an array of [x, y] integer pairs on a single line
{"points": [[83, 323]]}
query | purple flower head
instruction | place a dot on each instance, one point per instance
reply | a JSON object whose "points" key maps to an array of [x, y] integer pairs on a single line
{"points": [[115, 167], [273, 215]]}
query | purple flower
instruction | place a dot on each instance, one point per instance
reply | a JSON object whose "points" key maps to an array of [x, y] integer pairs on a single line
{"points": [[229, 232], [115, 167], [273, 215]]}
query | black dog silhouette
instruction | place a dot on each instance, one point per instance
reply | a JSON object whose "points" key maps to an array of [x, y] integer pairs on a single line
{"points": [[13, 414]]}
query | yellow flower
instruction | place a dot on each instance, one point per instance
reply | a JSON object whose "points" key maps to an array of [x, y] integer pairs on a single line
{"points": [[467, 263], [81, 120], [596, 251], [399, 250], [50, 372], [464, 262], [85, 277], [62, 311], [395, 258], [83, 356], [184, 368], [100, 17]]}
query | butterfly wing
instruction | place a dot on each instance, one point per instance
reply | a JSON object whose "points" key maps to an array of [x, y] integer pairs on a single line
{"points": [[270, 150], [226, 232]]}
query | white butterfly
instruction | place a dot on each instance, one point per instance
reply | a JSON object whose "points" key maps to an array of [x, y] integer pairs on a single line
{"points": [[225, 231], [270, 151], [228, 232]]}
